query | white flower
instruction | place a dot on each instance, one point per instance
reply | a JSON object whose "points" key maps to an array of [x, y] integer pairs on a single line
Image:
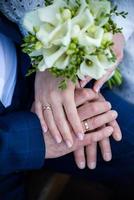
{"points": [[61, 35], [31, 20], [83, 19], [100, 9], [50, 13], [59, 24], [62, 62], [50, 60], [92, 67], [87, 40]]}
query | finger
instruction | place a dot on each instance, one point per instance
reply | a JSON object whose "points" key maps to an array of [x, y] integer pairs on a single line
{"points": [[91, 154], [73, 118], [92, 109], [94, 136], [100, 120], [83, 95], [48, 115], [79, 157], [106, 149], [117, 135], [99, 83], [62, 124], [39, 112], [84, 82], [119, 42]]}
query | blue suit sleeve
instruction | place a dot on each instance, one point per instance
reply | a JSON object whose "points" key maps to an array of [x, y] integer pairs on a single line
{"points": [[22, 145]]}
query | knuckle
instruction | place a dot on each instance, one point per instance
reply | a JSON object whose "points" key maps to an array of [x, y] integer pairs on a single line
{"points": [[94, 108], [52, 95], [67, 92], [67, 98], [85, 93]]}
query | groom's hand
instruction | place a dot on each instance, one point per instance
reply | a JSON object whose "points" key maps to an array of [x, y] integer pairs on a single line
{"points": [[87, 111], [91, 150], [54, 150]]}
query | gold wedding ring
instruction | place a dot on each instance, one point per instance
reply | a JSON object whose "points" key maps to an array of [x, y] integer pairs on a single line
{"points": [[86, 125], [46, 107]]}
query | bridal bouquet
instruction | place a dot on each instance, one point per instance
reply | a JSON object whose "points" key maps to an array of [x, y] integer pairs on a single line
{"points": [[72, 39]]}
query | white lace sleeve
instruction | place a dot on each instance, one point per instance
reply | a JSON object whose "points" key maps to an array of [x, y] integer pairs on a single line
{"points": [[16, 9]]}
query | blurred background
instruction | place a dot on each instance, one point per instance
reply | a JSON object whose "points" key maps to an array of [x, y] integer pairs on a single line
{"points": [[49, 185]]}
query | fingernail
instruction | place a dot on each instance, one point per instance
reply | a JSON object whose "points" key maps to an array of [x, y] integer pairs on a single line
{"points": [[58, 139], [109, 105], [82, 165], [114, 114], [45, 129], [118, 138], [97, 89], [82, 85], [107, 156], [92, 165], [80, 136], [69, 144]]}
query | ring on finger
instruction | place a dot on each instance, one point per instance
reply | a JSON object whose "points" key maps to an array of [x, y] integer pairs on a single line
{"points": [[46, 107], [86, 125]]}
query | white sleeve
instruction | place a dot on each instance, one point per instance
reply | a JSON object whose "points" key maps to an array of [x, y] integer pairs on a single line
{"points": [[128, 23], [15, 10]]}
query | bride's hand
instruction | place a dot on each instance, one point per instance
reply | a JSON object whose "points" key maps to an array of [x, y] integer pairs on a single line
{"points": [[55, 108], [118, 40]]}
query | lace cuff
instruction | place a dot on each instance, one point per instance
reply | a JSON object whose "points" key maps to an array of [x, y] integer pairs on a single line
{"points": [[15, 10]]}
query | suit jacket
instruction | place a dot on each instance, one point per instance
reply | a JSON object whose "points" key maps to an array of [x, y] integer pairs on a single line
{"points": [[21, 140]]}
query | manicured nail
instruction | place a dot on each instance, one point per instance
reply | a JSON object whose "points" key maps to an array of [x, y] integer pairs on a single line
{"points": [[80, 136], [82, 84], [107, 156], [69, 144], [58, 139], [114, 113], [45, 129], [92, 165], [118, 137], [82, 165], [97, 89], [109, 105]]}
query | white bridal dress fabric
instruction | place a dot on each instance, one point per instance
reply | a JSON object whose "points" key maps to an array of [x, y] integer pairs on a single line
{"points": [[127, 66], [8, 66]]}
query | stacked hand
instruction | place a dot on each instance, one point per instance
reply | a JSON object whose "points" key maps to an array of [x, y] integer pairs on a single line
{"points": [[101, 124], [58, 114], [100, 117]]}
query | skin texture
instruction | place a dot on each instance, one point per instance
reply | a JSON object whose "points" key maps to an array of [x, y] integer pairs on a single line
{"points": [[63, 108], [89, 156], [97, 114], [62, 103]]}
